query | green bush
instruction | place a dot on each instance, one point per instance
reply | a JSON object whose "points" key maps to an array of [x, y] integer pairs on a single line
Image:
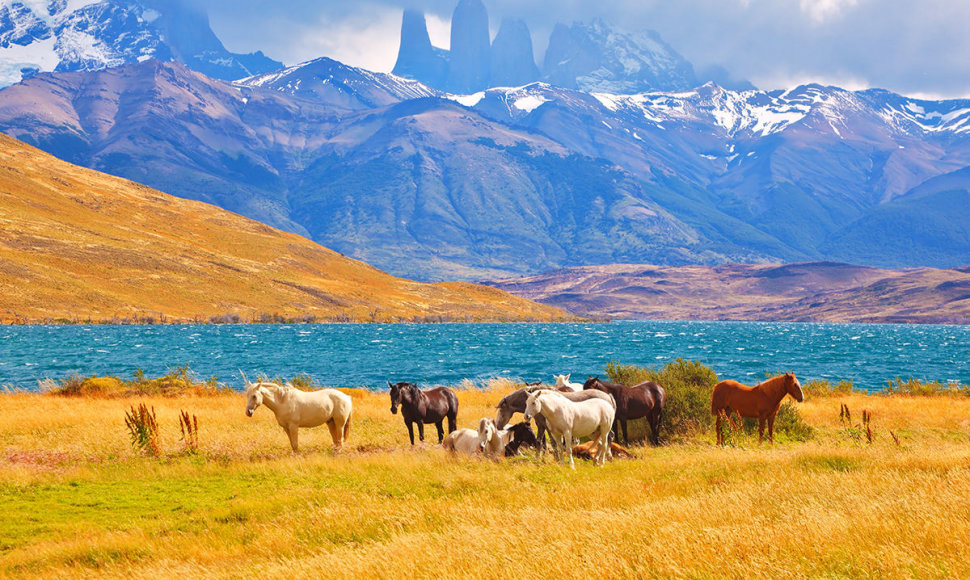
{"points": [[688, 385]]}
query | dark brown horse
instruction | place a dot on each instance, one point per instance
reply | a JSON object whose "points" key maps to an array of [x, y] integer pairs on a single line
{"points": [[522, 435], [431, 406], [760, 401], [646, 399]]}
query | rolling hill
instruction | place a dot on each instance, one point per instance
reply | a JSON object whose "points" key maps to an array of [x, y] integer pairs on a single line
{"points": [[815, 291], [78, 245]]}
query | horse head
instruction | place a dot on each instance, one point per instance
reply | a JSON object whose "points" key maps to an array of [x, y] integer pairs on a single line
{"points": [[401, 393], [591, 383], [561, 379], [505, 412], [793, 387], [486, 431], [254, 397], [532, 405]]}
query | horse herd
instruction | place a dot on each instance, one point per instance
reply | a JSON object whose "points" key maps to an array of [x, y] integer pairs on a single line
{"points": [[597, 409]]}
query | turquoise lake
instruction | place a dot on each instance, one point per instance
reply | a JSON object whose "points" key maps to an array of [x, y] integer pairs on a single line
{"points": [[368, 355]]}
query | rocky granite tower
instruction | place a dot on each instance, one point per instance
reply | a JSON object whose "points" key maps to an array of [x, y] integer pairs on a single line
{"points": [[468, 69], [417, 58], [513, 63]]}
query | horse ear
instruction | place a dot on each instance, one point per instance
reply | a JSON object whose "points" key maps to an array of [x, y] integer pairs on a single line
{"points": [[569, 375]]}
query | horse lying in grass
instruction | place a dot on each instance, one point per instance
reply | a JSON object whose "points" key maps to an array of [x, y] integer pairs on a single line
{"points": [[431, 406], [462, 441], [295, 409], [589, 450], [760, 401], [492, 441], [567, 420], [522, 436]]}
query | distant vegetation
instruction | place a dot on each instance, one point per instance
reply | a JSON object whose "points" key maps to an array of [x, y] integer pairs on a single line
{"points": [[179, 381]]}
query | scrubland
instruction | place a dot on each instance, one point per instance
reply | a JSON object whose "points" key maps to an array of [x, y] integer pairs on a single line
{"points": [[827, 499]]}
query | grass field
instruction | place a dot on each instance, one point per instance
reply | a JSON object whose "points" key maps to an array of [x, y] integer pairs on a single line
{"points": [[79, 502]]}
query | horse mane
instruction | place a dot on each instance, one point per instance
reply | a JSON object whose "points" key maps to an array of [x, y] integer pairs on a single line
{"points": [[281, 390]]}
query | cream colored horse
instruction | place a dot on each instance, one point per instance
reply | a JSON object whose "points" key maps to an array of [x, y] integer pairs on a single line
{"points": [[464, 441], [563, 381], [295, 408], [491, 440], [567, 420]]}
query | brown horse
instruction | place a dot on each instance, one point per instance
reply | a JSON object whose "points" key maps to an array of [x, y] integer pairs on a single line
{"points": [[760, 401], [431, 406], [645, 399]]}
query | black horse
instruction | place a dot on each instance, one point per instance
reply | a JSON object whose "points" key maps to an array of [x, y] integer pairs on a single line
{"points": [[643, 400], [431, 406], [522, 436]]}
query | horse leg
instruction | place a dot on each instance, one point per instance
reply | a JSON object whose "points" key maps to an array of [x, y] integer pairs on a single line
{"points": [[441, 431], [335, 433], [293, 432], [452, 421], [761, 429], [410, 431], [421, 431], [717, 429], [626, 439], [771, 429], [568, 441]]}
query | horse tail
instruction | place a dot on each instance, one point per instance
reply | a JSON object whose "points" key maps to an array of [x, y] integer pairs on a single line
{"points": [[347, 426]]}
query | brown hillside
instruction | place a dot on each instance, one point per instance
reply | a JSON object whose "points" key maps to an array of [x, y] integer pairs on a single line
{"points": [[815, 291], [81, 245]]}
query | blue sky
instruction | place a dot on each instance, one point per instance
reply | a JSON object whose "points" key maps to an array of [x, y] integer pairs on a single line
{"points": [[915, 48]]}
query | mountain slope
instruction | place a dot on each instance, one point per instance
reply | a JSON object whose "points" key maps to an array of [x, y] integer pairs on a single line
{"points": [[78, 245], [516, 181], [819, 291]]}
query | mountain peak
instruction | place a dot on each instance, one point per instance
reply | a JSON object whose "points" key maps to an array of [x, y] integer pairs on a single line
{"points": [[513, 62], [469, 65]]}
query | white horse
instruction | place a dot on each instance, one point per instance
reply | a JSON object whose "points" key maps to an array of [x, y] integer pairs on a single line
{"points": [[295, 408], [491, 440], [567, 420], [563, 381], [462, 441]]}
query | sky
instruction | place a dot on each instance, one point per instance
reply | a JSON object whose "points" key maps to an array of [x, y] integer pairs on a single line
{"points": [[917, 48]]}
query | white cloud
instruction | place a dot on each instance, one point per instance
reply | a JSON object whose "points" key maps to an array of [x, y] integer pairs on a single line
{"points": [[822, 10]]}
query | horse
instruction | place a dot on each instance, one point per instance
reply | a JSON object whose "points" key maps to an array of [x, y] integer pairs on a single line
{"points": [[563, 381], [462, 441], [492, 441], [590, 448], [522, 435], [295, 408], [515, 403], [760, 401], [645, 399], [430, 406], [566, 420]]}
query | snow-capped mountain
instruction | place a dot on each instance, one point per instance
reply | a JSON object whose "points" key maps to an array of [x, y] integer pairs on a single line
{"points": [[337, 84], [73, 35]]}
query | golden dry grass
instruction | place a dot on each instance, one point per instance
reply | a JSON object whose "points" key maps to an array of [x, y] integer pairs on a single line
{"points": [[79, 245], [79, 502]]}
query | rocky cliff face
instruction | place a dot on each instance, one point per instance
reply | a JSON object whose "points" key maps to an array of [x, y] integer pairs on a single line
{"points": [[513, 62], [469, 63], [597, 58], [416, 57], [97, 34]]}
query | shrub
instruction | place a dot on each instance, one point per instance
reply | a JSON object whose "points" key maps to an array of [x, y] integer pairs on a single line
{"points": [[917, 388], [688, 385], [177, 382], [143, 429]]}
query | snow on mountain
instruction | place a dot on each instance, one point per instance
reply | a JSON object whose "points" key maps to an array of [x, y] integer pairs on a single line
{"points": [[338, 84], [73, 35]]}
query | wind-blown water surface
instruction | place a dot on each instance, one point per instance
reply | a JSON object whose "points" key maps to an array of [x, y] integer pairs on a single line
{"points": [[354, 355]]}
